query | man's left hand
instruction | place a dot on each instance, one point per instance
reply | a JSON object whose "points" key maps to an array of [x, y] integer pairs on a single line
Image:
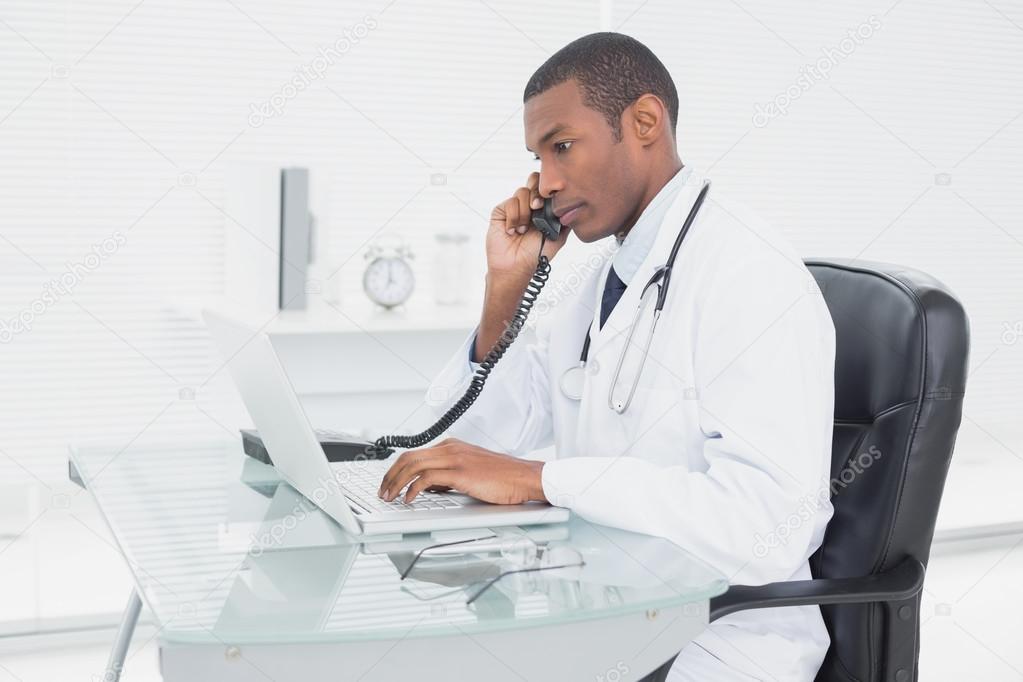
{"points": [[475, 471]]}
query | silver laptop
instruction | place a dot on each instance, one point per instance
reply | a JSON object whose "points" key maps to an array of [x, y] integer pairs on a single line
{"points": [[346, 491]]}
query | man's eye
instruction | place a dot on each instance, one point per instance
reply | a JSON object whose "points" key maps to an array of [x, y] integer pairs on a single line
{"points": [[536, 157], [559, 147]]}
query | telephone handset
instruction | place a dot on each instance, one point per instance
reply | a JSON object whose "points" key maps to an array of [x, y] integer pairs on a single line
{"points": [[547, 223], [545, 220]]}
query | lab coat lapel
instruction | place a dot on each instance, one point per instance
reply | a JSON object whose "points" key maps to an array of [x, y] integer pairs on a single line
{"points": [[617, 326], [598, 423]]}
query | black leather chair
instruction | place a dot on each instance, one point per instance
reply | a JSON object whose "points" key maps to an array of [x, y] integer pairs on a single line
{"points": [[902, 343]]}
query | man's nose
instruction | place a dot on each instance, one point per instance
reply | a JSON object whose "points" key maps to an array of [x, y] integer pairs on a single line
{"points": [[550, 183]]}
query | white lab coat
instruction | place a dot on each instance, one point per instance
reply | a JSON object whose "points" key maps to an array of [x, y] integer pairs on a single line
{"points": [[726, 447]]}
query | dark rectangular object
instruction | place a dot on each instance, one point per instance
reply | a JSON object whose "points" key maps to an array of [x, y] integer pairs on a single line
{"points": [[338, 447]]}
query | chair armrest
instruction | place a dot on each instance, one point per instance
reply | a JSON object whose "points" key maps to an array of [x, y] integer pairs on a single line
{"points": [[896, 584]]}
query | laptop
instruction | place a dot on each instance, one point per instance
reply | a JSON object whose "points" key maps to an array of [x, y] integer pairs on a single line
{"points": [[345, 491]]}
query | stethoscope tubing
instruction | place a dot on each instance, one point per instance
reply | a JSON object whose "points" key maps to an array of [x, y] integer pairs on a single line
{"points": [[660, 278]]}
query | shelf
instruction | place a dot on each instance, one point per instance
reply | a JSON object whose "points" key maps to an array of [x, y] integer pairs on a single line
{"points": [[355, 316], [361, 316]]}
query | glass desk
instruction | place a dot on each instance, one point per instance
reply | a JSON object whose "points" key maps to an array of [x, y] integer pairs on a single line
{"points": [[246, 579]]}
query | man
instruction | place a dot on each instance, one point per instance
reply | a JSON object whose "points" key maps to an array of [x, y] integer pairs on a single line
{"points": [[727, 437]]}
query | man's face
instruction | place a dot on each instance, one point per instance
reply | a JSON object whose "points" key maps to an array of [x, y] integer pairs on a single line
{"points": [[581, 164]]}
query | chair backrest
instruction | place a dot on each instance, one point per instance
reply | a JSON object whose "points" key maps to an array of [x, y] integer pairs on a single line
{"points": [[902, 343]]}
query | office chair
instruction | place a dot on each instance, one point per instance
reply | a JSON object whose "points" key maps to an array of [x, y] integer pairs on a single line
{"points": [[902, 341]]}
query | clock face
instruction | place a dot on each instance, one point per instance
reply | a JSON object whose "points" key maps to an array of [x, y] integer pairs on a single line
{"points": [[388, 281]]}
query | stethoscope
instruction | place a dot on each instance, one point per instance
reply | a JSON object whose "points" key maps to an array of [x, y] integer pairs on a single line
{"points": [[573, 378]]}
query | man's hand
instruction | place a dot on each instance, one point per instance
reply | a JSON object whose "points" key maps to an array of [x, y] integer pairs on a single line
{"points": [[475, 471], [512, 242], [513, 246]]}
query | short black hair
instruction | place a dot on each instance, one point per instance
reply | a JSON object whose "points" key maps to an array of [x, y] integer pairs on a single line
{"points": [[613, 70]]}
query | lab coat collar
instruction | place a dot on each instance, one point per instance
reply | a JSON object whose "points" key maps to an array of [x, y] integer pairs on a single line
{"points": [[620, 319], [636, 245]]}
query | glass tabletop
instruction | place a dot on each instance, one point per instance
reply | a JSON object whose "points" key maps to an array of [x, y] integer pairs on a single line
{"points": [[222, 550]]}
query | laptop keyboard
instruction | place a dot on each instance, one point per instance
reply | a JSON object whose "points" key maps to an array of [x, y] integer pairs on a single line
{"points": [[362, 479]]}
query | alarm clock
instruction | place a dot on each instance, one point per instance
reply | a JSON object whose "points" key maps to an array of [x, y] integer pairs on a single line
{"points": [[388, 280]]}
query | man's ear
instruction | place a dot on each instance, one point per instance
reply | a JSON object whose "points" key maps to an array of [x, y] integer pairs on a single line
{"points": [[646, 117]]}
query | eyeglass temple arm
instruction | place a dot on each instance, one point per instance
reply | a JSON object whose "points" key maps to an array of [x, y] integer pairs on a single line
{"points": [[415, 559]]}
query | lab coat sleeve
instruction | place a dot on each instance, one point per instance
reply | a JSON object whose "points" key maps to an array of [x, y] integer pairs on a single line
{"points": [[513, 413], [764, 367]]}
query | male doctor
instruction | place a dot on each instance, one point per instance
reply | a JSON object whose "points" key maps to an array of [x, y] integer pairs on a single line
{"points": [[728, 435]]}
